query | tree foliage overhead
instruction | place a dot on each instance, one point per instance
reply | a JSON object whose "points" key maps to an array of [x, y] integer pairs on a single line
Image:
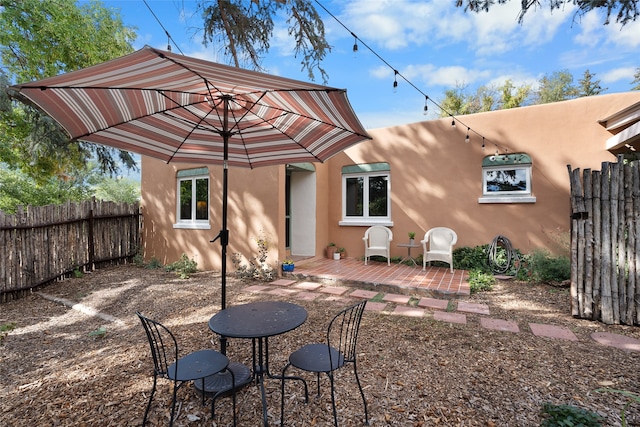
{"points": [[245, 29], [624, 11], [43, 38]]}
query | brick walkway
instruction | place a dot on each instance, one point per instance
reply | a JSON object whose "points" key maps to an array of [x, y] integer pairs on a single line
{"points": [[311, 284]]}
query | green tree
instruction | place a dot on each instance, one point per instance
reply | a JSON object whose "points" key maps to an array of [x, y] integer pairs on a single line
{"points": [[636, 80], [117, 189], [555, 87], [513, 96], [625, 11], [459, 101], [453, 101], [19, 189], [245, 27], [42, 38], [587, 86]]}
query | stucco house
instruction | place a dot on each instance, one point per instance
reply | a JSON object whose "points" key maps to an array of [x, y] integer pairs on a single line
{"points": [[410, 178]]}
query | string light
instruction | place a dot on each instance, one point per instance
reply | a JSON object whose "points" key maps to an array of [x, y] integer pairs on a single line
{"points": [[426, 107], [395, 81]]}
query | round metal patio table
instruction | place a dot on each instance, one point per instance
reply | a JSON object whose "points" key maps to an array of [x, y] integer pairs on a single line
{"points": [[258, 321]]}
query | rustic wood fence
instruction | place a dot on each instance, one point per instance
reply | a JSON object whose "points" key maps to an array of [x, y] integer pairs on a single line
{"points": [[605, 246], [48, 243]]}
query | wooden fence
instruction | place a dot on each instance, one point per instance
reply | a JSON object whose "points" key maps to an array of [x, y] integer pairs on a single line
{"points": [[47, 243], [605, 246]]}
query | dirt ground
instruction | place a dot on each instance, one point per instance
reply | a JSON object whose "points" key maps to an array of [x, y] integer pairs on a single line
{"points": [[415, 371]]}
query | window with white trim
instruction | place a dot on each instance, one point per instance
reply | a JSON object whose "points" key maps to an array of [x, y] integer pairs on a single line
{"points": [[366, 194], [507, 179], [192, 199]]}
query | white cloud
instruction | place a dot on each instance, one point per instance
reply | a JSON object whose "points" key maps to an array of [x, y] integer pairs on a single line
{"points": [[406, 23], [381, 72], [618, 74]]}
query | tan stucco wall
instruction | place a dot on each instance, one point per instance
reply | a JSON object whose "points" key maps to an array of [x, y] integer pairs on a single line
{"points": [[255, 210], [436, 180]]}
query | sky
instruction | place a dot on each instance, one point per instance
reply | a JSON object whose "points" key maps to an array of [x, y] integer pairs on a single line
{"points": [[433, 45]]}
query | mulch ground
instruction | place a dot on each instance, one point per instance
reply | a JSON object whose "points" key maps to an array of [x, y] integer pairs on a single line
{"points": [[415, 371]]}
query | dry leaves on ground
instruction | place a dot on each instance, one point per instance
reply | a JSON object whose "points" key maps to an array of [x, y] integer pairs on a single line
{"points": [[415, 371]]}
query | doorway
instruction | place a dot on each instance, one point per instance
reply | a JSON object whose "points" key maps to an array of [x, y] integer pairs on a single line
{"points": [[300, 209]]}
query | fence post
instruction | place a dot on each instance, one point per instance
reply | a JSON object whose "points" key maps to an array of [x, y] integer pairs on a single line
{"points": [[90, 241]]}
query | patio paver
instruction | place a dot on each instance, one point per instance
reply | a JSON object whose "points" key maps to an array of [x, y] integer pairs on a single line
{"points": [[440, 304], [499, 324], [552, 331], [447, 316]]}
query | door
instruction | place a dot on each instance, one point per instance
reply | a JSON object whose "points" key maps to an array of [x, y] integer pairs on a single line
{"points": [[301, 209]]}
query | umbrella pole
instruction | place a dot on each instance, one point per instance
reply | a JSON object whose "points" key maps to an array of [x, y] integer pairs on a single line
{"points": [[224, 233]]}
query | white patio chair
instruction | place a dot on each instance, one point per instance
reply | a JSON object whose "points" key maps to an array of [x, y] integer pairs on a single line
{"points": [[377, 241], [437, 245]]}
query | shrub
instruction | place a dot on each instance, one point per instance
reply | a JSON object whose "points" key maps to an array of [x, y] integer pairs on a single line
{"points": [[258, 268], [481, 281], [568, 415], [468, 258], [546, 268], [183, 267]]}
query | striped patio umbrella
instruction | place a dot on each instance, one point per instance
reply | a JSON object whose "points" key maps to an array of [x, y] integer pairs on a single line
{"points": [[181, 109]]}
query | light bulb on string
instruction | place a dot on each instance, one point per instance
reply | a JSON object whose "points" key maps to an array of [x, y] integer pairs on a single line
{"points": [[483, 143], [426, 107], [355, 44], [395, 81], [466, 139], [453, 122]]}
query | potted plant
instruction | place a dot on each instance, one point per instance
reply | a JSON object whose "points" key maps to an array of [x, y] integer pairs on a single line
{"points": [[342, 252], [412, 236], [331, 249], [287, 265]]}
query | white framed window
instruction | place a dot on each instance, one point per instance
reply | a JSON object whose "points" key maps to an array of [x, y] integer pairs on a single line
{"points": [[507, 179], [192, 199], [366, 194]]}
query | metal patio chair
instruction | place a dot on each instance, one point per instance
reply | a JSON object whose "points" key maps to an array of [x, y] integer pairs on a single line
{"points": [[339, 349], [192, 367]]}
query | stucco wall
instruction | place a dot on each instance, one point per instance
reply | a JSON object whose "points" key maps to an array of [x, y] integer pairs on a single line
{"points": [[436, 180], [255, 210]]}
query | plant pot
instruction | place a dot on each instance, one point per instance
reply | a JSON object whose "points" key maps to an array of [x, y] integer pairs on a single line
{"points": [[287, 267], [411, 241], [336, 255], [330, 251]]}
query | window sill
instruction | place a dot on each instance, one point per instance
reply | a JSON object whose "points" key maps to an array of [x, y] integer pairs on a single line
{"points": [[507, 199], [193, 225], [361, 222]]}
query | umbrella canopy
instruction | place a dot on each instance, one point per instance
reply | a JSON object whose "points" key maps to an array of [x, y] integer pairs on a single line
{"points": [[182, 109]]}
